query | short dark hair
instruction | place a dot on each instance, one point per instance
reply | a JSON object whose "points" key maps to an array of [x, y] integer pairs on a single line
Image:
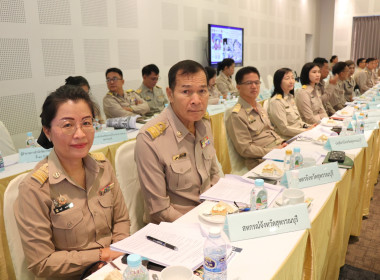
{"points": [[339, 67], [277, 79], [52, 103], [77, 81], [320, 61], [305, 80], [227, 62], [186, 67], [116, 70], [349, 63], [148, 69], [211, 72], [370, 59], [333, 57], [360, 60], [244, 71]]}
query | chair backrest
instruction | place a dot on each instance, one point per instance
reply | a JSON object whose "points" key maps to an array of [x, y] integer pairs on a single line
{"points": [[270, 81], [13, 236], [237, 162], [266, 105], [7, 146], [126, 173]]}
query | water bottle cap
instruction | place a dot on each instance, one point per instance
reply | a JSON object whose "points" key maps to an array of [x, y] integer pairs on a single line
{"points": [[297, 149], [361, 117], [221, 97], [134, 260], [214, 232], [259, 182], [29, 134]]}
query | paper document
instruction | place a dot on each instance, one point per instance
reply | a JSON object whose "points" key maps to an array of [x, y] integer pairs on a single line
{"points": [[189, 253]]}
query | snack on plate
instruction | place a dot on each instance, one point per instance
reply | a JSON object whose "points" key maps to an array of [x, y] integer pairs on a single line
{"points": [[343, 112], [330, 121], [222, 208], [322, 138], [271, 169], [114, 275]]}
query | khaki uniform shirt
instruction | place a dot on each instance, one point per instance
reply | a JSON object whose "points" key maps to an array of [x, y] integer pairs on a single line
{"points": [[349, 88], [214, 95], [155, 98], [285, 117], [113, 105], [310, 105], [174, 166], [337, 99], [251, 132], [60, 245], [365, 80], [225, 84], [325, 91]]}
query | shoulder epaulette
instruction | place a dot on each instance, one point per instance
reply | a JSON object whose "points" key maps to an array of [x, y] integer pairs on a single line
{"points": [[156, 130], [98, 156], [139, 91], [304, 86], [236, 108], [278, 96], [109, 93], [129, 90], [41, 174], [206, 116]]}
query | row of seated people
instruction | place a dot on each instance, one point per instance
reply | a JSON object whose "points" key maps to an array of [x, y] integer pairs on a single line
{"points": [[70, 207]]}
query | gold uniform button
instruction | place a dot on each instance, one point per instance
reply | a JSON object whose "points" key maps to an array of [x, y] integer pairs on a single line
{"points": [[69, 224], [56, 175], [179, 134]]}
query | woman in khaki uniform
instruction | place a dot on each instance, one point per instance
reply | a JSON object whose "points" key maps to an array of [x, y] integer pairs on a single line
{"points": [[70, 207], [224, 83], [282, 109], [214, 93], [308, 102]]}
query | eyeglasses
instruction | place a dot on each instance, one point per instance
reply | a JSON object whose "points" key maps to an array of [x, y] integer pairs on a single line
{"points": [[114, 79], [69, 127], [250, 83]]}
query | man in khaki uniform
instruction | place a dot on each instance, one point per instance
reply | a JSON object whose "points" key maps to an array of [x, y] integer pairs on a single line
{"points": [[367, 78], [325, 90], [349, 84], [175, 154], [119, 103], [149, 90], [248, 125], [338, 99], [71, 235]]}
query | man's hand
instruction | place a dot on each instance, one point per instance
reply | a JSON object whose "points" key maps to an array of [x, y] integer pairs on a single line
{"points": [[334, 80], [283, 145], [128, 109]]}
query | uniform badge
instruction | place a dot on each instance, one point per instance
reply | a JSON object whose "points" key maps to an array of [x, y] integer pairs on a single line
{"points": [[177, 157], [205, 142], [61, 204], [251, 119], [106, 189]]}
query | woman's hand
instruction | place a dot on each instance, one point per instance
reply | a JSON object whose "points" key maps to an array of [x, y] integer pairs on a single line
{"points": [[108, 255]]}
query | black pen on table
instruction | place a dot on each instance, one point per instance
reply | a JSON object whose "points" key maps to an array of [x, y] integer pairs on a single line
{"points": [[162, 243]]}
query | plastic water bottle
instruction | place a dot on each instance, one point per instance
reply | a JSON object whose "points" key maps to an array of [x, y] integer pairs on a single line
{"points": [[1, 162], [360, 125], [252, 199], [262, 195], [296, 160], [288, 154], [357, 92], [215, 256], [135, 270], [30, 142], [221, 100], [229, 96]]}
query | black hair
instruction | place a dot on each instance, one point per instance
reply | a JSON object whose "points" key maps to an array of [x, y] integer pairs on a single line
{"points": [[244, 71], [349, 63], [148, 69], [305, 80], [320, 61], [332, 58], [211, 72], [227, 62], [186, 67], [370, 59], [339, 67], [52, 103], [360, 60], [77, 81], [116, 70], [277, 79]]}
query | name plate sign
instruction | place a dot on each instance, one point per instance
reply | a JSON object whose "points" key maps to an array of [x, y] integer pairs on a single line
{"points": [[374, 114], [254, 224], [33, 154], [104, 137], [374, 105], [230, 103], [341, 143], [313, 176], [215, 109]]}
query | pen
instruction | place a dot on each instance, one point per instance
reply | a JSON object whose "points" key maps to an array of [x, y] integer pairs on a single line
{"points": [[162, 243]]}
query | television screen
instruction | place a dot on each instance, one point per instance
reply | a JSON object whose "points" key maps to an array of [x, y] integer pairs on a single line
{"points": [[225, 42]]}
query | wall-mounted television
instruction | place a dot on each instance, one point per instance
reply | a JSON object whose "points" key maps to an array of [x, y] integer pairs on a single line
{"points": [[225, 42]]}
